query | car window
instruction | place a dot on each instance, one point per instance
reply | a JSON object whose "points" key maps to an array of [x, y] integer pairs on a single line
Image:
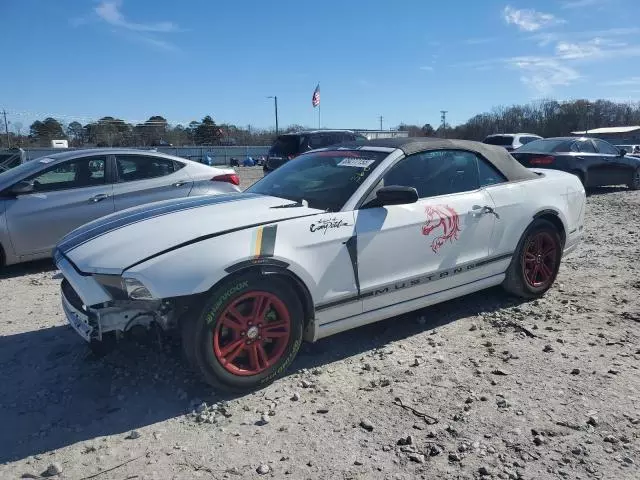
{"points": [[325, 179], [501, 140], [140, 167], [83, 172], [320, 141], [546, 145], [525, 140], [286, 145], [434, 173], [489, 175], [586, 146], [605, 148]]}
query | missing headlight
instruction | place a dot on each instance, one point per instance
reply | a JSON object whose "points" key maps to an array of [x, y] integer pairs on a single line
{"points": [[136, 290]]}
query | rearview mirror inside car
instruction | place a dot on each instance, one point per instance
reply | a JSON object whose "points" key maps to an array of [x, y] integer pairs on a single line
{"points": [[622, 152], [22, 187], [396, 195]]}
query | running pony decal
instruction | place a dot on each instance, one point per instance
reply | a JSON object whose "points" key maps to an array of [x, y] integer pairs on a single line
{"points": [[445, 217]]}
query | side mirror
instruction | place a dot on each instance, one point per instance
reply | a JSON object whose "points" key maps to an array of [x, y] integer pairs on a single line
{"points": [[396, 195], [22, 187], [622, 152]]}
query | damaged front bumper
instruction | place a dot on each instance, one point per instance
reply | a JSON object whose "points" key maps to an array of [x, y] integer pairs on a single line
{"points": [[93, 312]]}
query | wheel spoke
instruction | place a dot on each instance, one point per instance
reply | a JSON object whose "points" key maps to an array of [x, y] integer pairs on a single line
{"points": [[534, 275], [272, 330], [549, 251], [234, 313], [546, 272], [230, 322], [257, 357], [232, 349], [538, 244], [529, 257], [261, 305]]}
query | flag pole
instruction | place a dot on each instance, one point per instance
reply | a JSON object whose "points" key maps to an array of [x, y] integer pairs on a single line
{"points": [[319, 111]]}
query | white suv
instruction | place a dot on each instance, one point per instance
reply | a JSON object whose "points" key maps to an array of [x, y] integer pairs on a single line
{"points": [[511, 141]]}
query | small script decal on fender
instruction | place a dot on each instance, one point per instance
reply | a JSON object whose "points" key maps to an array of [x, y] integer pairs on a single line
{"points": [[445, 217], [325, 224]]}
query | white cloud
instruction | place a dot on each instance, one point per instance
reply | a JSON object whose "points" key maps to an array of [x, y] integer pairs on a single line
{"points": [[109, 11], [529, 20], [543, 74], [578, 50], [427, 68]]}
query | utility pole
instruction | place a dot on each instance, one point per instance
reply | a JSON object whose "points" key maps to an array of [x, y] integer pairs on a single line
{"points": [[275, 102], [443, 118], [380, 118], [6, 128]]}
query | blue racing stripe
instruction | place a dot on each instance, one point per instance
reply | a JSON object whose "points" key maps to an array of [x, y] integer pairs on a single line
{"points": [[141, 213]]}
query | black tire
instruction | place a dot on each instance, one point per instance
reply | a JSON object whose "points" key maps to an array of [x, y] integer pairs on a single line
{"points": [[202, 333], [634, 184], [520, 280]]}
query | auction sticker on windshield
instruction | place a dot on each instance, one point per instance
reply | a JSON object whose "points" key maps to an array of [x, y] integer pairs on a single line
{"points": [[355, 162]]}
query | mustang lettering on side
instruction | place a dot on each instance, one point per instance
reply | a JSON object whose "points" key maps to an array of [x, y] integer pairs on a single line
{"points": [[325, 243]]}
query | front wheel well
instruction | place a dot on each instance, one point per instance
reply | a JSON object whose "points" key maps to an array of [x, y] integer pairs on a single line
{"points": [[552, 217], [3, 257], [301, 290]]}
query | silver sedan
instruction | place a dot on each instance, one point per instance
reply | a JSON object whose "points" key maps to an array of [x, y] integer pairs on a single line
{"points": [[44, 199]]}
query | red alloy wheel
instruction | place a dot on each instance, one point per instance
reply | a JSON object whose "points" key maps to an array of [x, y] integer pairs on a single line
{"points": [[539, 260], [252, 333]]}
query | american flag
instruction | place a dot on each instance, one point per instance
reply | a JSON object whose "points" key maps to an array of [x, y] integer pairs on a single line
{"points": [[315, 100]]}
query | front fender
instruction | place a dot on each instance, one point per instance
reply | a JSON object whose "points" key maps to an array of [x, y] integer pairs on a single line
{"points": [[196, 268]]}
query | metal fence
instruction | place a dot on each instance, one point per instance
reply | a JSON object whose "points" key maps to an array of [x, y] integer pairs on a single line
{"points": [[212, 155]]}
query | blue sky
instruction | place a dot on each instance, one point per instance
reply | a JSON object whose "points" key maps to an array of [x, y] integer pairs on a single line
{"points": [[405, 60]]}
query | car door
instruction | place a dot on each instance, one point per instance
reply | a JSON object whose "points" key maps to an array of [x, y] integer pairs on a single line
{"points": [[616, 166], [65, 197], [590, 161], [410, 251], [145, 178]]}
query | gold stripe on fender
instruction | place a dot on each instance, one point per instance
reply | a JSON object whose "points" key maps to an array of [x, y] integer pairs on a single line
{"points": [[264, 241], [257, 241]]}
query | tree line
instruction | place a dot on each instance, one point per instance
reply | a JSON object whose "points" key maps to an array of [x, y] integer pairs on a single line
{"points": [[548, 118]]}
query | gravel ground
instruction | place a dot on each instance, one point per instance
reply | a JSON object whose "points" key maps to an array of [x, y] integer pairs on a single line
{"points": [[479, 387]]}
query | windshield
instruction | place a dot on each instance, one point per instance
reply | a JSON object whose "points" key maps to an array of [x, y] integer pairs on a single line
{"points": [[545, 146], [502, 140], [326, 179], [286, 145]]}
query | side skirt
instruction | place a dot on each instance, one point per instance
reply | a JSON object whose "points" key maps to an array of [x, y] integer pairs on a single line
{"points": [[328, 329]]}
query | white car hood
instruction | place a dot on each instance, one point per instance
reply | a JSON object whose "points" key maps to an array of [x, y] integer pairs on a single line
{"points": [[113, 243]]}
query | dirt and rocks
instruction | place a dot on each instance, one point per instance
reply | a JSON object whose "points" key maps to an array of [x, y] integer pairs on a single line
{"points": [[480, 387]]}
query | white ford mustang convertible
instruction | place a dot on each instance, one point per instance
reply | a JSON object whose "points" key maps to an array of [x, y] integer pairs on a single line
{"points": [[335, 239]]}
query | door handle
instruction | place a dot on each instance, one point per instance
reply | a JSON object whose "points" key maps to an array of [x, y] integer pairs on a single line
{"points": [[478, 210], [99, 198], [580, 158], [178, 184]]}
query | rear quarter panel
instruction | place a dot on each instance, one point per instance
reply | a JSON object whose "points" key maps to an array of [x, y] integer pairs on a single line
{"points": [[519, 202]]}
